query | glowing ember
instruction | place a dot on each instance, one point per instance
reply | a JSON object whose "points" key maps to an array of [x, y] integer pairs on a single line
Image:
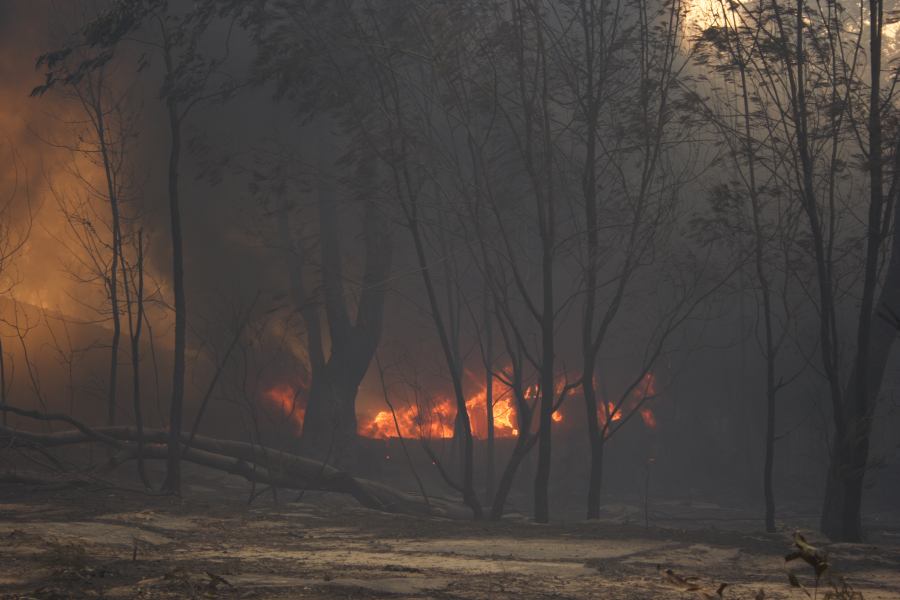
{"points": [[284, 399], [646, 388], [643, 391], [614, 414]]}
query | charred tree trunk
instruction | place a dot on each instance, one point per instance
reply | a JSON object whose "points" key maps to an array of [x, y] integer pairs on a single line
{"points": [[589, 190], [135, 328], [462, 415], [595, 483], [489, 398], [116, 340], [548, 395], [770, 349], [542, 180], [768, 467], [405, 188], [329, 426], [523, 447], [115, 246], [768, 489], [841, 514], [525, 439], [596, 437], [173, 465]]}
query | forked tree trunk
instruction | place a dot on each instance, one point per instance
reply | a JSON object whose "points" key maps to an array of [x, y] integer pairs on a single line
{"points": [[329, 426]]}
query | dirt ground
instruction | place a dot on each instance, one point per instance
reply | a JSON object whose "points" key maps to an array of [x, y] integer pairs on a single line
{"points": [[112, 543]]}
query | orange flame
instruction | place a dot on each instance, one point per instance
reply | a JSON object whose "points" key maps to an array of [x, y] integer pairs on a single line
{"points": [[284, 399], [643, 391], [437, 418], [614, 413]]}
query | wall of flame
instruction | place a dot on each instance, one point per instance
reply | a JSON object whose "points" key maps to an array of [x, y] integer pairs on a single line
{"points": [[434, 417]]}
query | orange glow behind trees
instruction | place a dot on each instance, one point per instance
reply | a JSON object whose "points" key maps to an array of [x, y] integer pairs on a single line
{"points": [[635, 401], [434, 418], [284, 399]]}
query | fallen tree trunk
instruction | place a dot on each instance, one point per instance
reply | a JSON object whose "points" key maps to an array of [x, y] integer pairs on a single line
{"points": [[252, 462], [40, 416], [43, 480]]}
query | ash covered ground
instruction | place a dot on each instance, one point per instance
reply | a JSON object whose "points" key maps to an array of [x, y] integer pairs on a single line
{"points": [[93, 541]]}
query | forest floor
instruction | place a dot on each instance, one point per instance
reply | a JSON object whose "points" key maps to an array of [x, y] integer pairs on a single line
{"points": [[112, 543]]}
